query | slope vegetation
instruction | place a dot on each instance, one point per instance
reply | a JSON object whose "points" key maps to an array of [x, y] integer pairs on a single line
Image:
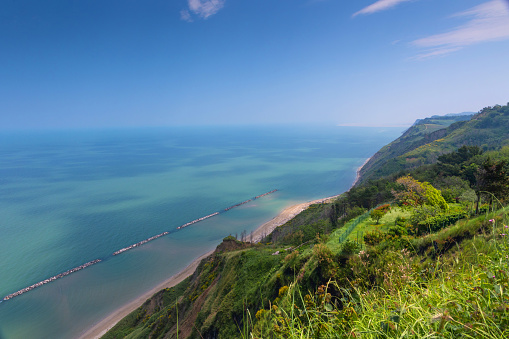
{"points": [[428, 138]]}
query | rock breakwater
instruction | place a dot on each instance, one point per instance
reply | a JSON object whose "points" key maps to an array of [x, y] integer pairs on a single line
{"points": [[45, 281], [90, 263]]}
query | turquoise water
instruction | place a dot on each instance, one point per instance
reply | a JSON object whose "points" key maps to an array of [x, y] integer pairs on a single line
{"points": [[69, 197]]}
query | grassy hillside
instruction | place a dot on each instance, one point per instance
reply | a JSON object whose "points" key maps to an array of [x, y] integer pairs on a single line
{"points": [[426, 140], [449, 284], [418, 253], [452, 284]]}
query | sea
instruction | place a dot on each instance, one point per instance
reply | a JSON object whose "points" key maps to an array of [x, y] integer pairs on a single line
{"points": [[68, 197]]}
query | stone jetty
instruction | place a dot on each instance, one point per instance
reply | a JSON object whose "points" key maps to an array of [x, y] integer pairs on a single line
{"points": [[58, 276], [90, 263], [245, 202], [140, 243], [190, 223], [197, 220]]}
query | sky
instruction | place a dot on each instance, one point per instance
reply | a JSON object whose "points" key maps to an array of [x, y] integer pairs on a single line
{"points": [[125, 63]]}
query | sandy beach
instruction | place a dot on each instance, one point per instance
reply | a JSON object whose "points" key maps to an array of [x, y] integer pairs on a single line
{"points": [[284, 216], [358, 176], [107, 323]]}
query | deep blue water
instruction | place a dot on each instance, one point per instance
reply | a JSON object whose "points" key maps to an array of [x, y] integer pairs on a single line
{"points": [[68, 197]]}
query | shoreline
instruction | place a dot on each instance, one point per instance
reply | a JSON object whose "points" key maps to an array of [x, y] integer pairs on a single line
{"points": [[103, 326], [358, 175], [284, 216]]}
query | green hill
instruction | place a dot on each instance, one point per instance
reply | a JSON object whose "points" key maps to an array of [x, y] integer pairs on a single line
{"points": [[428, 138]]}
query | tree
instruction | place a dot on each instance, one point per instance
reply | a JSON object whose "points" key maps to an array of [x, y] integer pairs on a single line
{"points": [[414, 193], [491, 180], [461, 155], [377, 215], [334, 213], [379, 212], [434, 197]]}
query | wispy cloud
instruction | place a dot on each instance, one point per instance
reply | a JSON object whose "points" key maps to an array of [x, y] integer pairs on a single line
{"points": [[185, 15], [201, 8], [380, 5], [487, 22]]}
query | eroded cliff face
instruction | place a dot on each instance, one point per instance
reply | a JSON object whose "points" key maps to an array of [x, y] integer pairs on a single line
{"points": [[211, 302]]}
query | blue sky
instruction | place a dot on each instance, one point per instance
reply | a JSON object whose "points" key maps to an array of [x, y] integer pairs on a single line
{"points": [[104, 63]]}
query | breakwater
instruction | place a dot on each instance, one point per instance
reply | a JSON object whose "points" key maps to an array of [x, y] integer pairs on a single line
{"points": [[190, 223], [140, 243], [90, 263], [45, 281], [122, 250], [197, 220], [245, 202]]}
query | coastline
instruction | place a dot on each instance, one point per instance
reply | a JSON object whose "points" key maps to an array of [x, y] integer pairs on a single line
{"points": [[358, 176], [111, 320], [284, 216], [266, 228], [103, 326]]}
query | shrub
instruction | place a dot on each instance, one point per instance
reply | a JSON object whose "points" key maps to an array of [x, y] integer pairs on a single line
{"points": [[400, 221], [349, 247], [436, 223], [325, 259], [397, 231], [373, 238]]}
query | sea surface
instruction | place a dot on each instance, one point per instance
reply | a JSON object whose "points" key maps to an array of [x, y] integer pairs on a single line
{"points": [[71, 196]]}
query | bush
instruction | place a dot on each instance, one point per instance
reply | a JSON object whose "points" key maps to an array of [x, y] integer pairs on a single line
{"points": [[349, 247], [385, 207], [374, 238], [325, 260], [436, 223], [397, 231], [400, 221]]}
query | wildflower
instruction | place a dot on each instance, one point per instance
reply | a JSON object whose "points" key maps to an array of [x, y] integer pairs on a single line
{"points": [[506, 226], [503, 234], [492, 220]]}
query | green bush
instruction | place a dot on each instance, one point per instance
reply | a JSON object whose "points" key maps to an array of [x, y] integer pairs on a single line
{"points": [[373, 238], [436, 223], [349, 247]]}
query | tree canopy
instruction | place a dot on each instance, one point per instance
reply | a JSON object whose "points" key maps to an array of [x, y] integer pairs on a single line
{"points": [[415, 193]]}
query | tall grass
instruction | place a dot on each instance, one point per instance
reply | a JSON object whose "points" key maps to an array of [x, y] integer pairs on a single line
{"points": [[463, 293]]}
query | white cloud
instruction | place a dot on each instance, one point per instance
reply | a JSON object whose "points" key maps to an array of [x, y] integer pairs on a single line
{"points": [[201, 8], [380, 5], [436, 52], [488, 22], [185, 15]]}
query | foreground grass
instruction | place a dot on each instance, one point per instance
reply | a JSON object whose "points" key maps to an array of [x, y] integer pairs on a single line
{"points": [[461, 291]]}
